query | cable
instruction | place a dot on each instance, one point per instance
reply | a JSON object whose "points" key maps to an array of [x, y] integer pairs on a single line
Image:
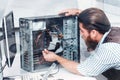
{"points": [[58, 69], [45, 76]]}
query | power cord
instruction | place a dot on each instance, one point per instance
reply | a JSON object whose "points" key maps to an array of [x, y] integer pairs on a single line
{"points": [[58, 69]]}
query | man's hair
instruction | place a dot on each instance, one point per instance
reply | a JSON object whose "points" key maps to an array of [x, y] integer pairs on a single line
{"points": [[94, 19]]}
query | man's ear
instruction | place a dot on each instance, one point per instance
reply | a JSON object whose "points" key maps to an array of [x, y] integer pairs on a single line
{"points": [[93, 34]]}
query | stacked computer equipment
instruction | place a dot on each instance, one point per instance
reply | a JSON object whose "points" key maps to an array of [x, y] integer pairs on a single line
{"points": [[59, 34]]}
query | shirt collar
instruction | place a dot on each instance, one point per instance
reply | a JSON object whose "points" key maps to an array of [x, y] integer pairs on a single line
{"points": [[101, 41]]}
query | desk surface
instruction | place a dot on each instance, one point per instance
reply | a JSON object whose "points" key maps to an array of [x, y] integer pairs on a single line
{"points": [[61, 75], [64, 74]]}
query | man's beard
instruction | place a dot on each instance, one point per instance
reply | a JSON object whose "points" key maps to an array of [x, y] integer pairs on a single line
{"points": [[91, 45]]}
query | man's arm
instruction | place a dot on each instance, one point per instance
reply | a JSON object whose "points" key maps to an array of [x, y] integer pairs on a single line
{"points": [[69, 12], [67, 64]]}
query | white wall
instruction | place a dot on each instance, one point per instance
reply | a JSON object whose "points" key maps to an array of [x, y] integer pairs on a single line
{"points": [[26, 8], [84, 4], [29, 8], [112, 11], [3, 4]]}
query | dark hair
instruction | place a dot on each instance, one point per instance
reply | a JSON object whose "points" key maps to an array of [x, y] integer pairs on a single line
{"points": [[94, 19]]}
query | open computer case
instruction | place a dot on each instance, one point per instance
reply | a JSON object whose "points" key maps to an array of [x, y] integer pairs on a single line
{"points": [[59, 34]]}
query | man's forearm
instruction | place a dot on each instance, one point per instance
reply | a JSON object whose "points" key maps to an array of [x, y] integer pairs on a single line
{"points": [[67, 64]]}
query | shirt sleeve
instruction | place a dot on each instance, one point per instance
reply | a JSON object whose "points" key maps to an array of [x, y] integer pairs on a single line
{"points": [[98, 62]]}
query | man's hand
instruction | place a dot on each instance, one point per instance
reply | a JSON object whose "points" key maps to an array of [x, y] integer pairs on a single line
{"points": [[69, 12], [49, 56]]}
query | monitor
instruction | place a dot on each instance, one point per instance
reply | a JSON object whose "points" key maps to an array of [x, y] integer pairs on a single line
{"points": [[9, 38]]}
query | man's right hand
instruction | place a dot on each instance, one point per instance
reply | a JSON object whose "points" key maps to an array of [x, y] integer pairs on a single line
{"points": [[69, 12], [49, 56]]}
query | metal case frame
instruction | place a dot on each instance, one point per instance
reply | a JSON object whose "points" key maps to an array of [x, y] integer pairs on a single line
{"points": [[59, 34]]}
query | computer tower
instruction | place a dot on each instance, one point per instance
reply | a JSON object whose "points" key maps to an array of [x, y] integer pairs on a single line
{"points": [[59, 34]]}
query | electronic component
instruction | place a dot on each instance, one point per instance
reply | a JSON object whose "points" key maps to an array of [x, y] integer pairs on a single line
{"points": [[59, 34]]}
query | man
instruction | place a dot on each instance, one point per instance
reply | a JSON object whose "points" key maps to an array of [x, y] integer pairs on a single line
{"points": [[96, 31]]}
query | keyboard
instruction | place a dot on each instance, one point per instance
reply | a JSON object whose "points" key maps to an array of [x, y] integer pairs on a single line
{"points": [[31, 76], [35, 76]]}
